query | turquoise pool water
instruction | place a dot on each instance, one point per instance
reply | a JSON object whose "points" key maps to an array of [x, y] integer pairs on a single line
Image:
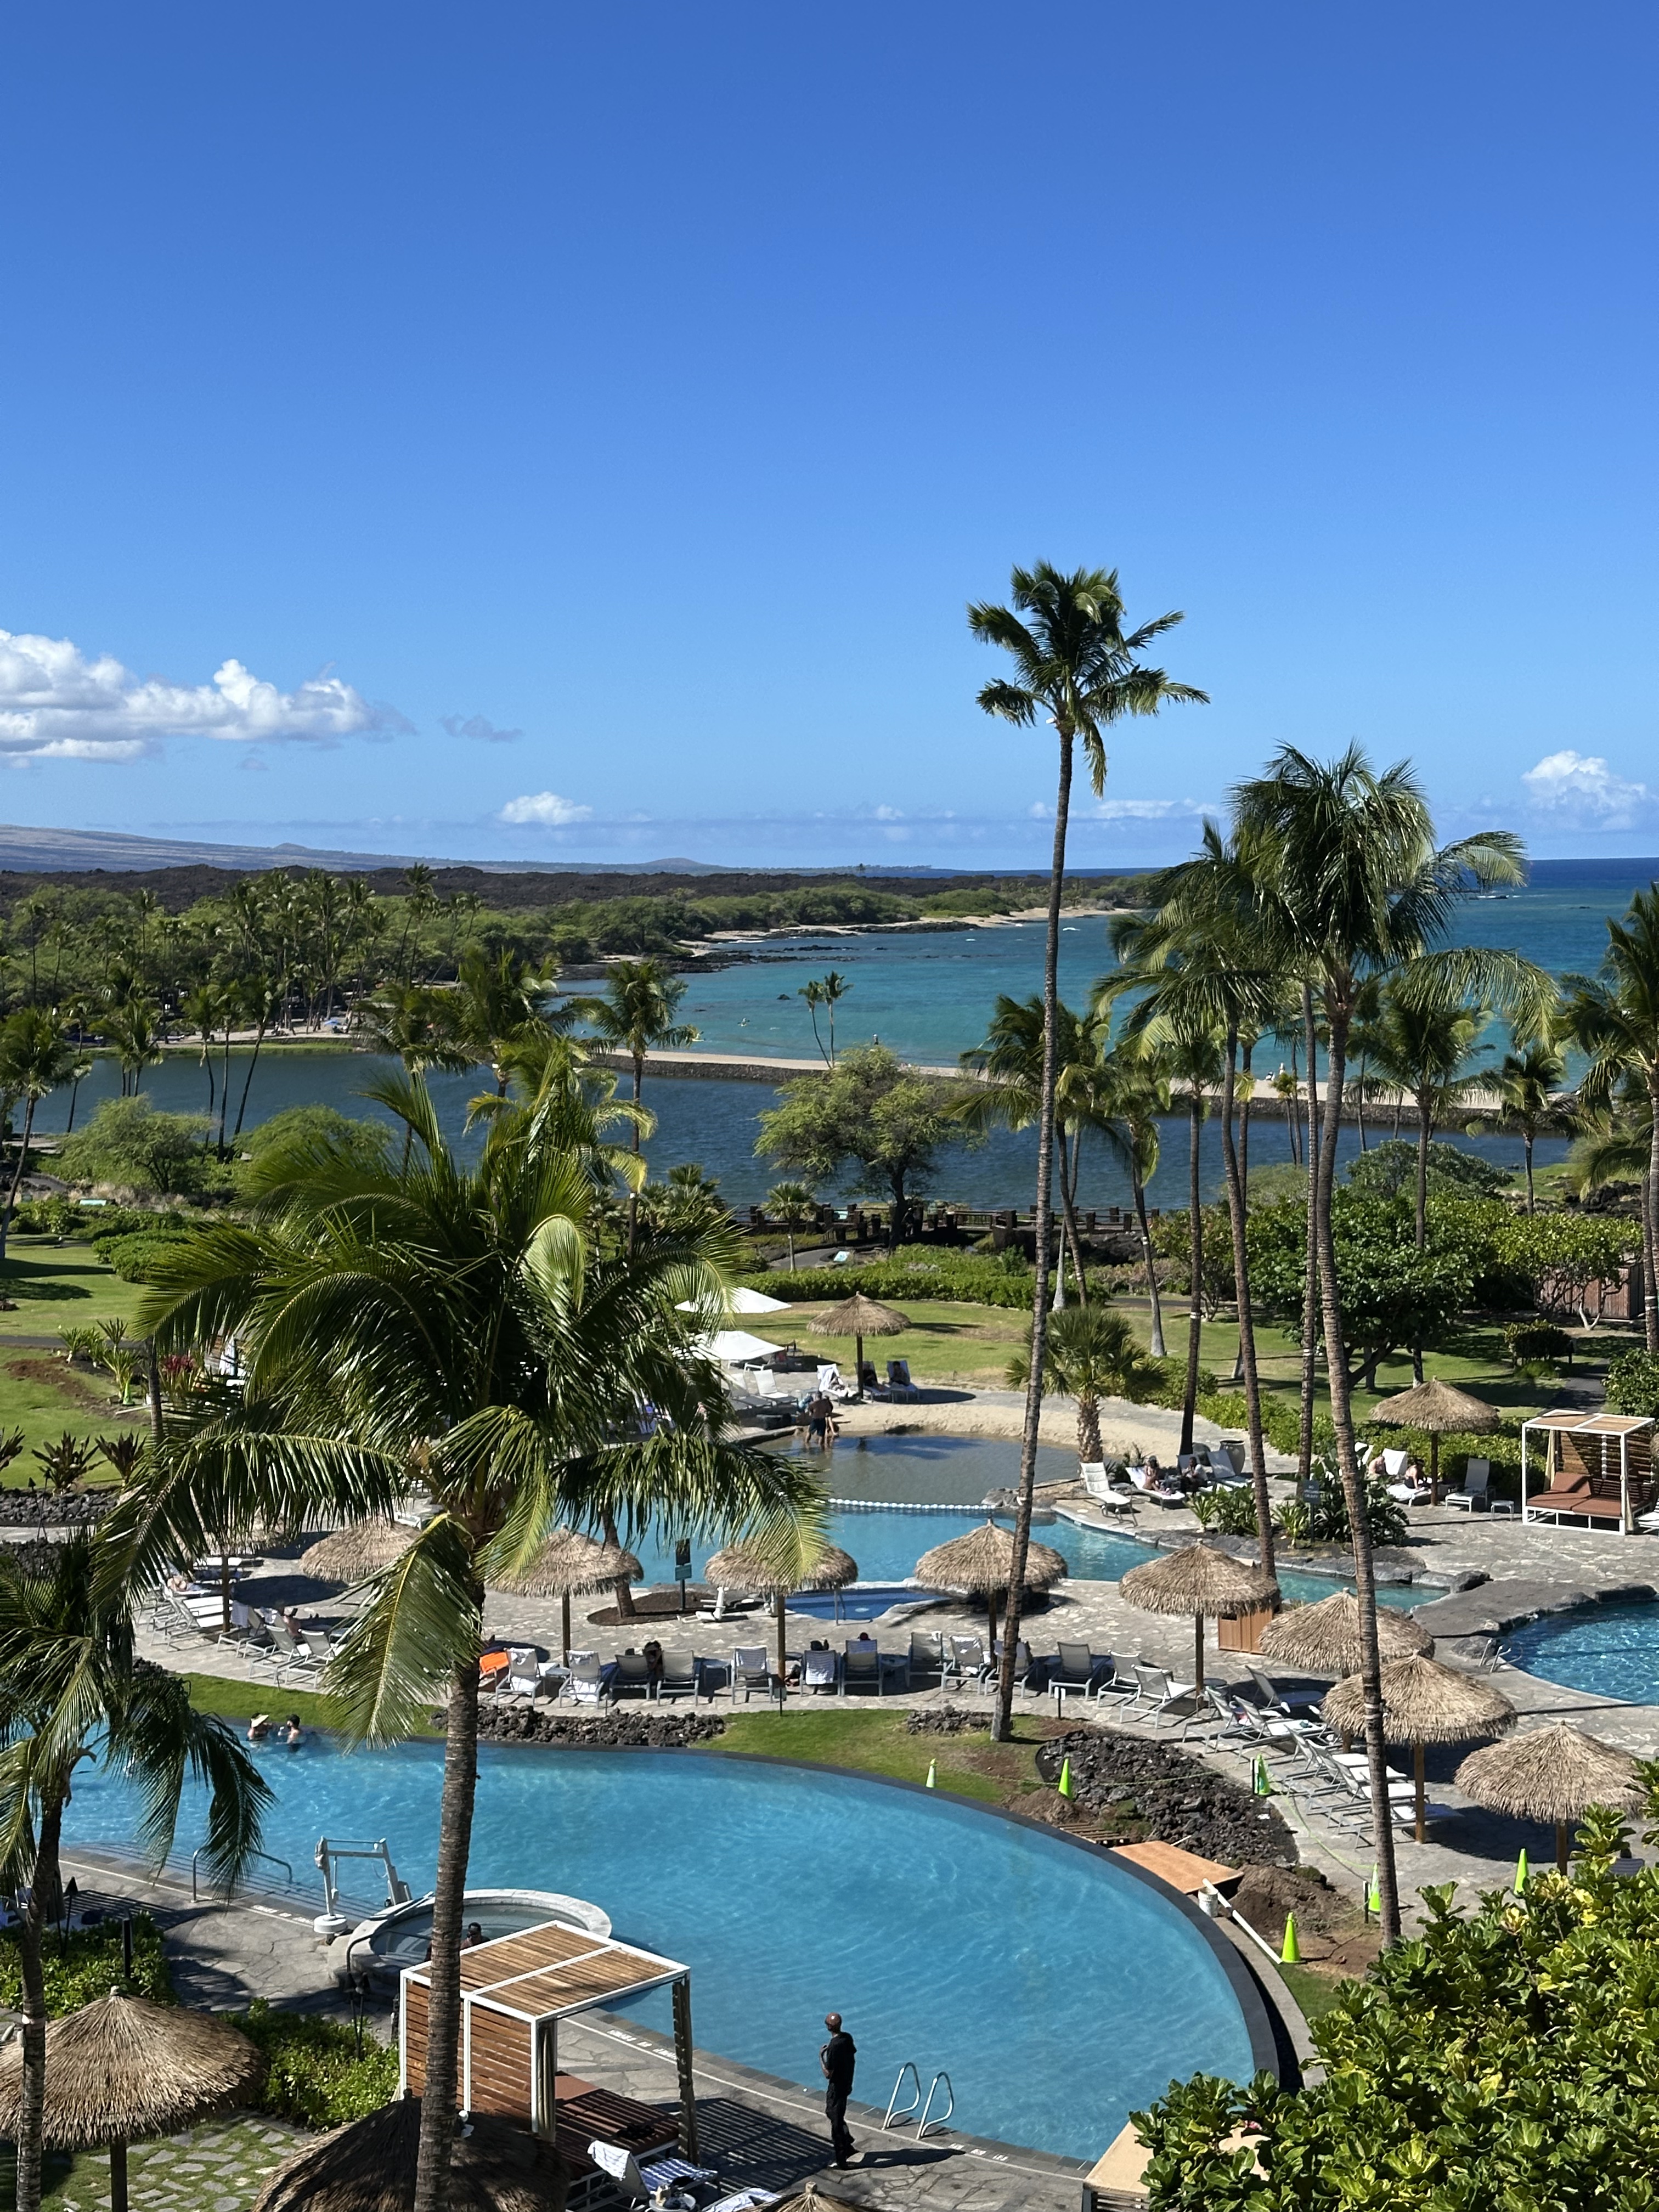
{"points": [[1610, 1651], [1059, 1992], [892, 1493]]}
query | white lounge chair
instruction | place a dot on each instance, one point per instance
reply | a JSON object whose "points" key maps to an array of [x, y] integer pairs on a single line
{"points": [[967, 1660], [1474, 1497], [819, 1671], [1160, 1694], [1098, 1487], [585, 1682], [899, 1384], [641, 2184], [750, 1671]]}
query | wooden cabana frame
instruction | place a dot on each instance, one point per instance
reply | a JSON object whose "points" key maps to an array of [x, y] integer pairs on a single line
{"points": [[1597, 1468], [514, 1993]]}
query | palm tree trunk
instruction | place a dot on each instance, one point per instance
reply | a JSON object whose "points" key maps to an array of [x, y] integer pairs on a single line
{"points": [[1649, 1212], [1310, 1288], [1235, 1209], [443, 2022], [1068, 1169], [75, 1092], [17, 1178], [623, 1587], [1359, 1103], [1003, 1719], [1526, 1146], [1353, 1487], [224, 1088], [1157, 1347], [1195, 1269], [638, 1059], [42, 1891], [1424, 1131], [1090, 1448], [258, 1039]]}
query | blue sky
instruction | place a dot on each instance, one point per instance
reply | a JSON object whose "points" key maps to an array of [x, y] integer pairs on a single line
{"points": [[659, 385]]}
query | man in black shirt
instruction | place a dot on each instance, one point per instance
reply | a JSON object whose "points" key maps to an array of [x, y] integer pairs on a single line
{"points": [[838, 2058]]}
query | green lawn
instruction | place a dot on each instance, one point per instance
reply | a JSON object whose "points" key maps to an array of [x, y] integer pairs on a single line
{"points": [[54, 1284], [944, 1339], [968, 1766]]}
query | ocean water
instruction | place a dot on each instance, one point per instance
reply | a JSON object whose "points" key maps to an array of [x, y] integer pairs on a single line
{"points": [[929, 995]]}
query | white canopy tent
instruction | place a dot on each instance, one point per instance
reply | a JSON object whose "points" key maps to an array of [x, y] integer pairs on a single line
{"points": [[742, 1300], [733, 1347]]}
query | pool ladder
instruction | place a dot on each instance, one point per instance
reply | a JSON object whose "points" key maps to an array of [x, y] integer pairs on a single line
{"points": [[896, 2112]]}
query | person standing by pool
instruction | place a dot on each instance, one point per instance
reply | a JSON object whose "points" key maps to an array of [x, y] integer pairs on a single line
{"points": [[838, 2058]]}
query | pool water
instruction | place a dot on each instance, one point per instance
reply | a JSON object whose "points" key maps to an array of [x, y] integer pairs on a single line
{"points": [[1610, 1651], [1058, 1991], [897, 1497]]}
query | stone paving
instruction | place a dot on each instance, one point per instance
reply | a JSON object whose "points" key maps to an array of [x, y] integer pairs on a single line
{"points": [[220, 2167]]}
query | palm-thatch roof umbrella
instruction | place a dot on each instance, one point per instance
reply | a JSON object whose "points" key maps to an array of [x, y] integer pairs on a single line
{"points": [[361, 1548], [859, 1317], [1440, 1410], [741, 1569], [1553, 1774], [569, 1564], [810, 2199], [369, 2165], [122, 2070], [1200, 1581], [1325, 1637], [983, 1563], [1423, 1702]]}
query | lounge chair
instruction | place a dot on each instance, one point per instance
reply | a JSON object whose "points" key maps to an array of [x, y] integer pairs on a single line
{"points": [[861, 1668], [1160, 1694], [869, 1381], [585, 1683], [967, 1660], [831, 1384], [1161, 1493], [1077, 1669], [1288, 1704], [680, 1678], [927, 1654], [1099, 1489], [632, 1676], [640, 2184], [523, 1676], [819, 1671], [899, 1384], [750, 1671], [1475, 1495]]}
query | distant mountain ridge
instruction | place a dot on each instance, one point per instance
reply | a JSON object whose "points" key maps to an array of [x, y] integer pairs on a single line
{"points": [[26, 851]]}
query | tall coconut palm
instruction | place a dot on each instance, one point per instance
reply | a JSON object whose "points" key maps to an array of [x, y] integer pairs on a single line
{"points": [[1422, 1041], [795, 1206], [1123, 1096], [812, 992], [1092, 1354], [36, 1056], [500, 998], [420, 1026], [1353, 884], [468, 1322], [72, 1690], [1010, 1096], [834, 987], [1527, 1082], [636, 1015], [1614, 1017], [1077, 669], [1204, 964], [200, 1009]]}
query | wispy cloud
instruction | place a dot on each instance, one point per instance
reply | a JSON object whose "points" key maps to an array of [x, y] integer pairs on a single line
{"points": [[1153, 810], [480, 727], [544, 809], [1581, 789], [56, 703]]}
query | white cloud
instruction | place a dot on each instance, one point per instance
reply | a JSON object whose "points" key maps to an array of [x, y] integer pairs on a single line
{"points": [[889, 814], [56, 704], [544, 808], [1150, 809], [480, 727], [1581, 788]]}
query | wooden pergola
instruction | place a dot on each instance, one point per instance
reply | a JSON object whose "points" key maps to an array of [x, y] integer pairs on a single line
{"points": [[1597, 1468], [514, 1993]]}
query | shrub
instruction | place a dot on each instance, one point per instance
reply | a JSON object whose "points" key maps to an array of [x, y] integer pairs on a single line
{"points": [[914, 1272], [86, 1963], [315, 2073], [133, 1257], [1633, 1384], [1530, 1344], [127, 1142], [1230, 1512], [1504, 2059], [1324, 1519]]}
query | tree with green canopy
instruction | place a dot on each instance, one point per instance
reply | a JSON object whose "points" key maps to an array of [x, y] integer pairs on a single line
{"points": [[870, 1110], [1613, 1017]]}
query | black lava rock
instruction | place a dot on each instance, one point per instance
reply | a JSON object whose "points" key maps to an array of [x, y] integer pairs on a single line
{"points": [[1179, 1799]]}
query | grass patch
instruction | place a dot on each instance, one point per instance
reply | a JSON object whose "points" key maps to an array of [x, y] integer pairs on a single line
{"points": [[944, 1339], [968, 1766], [240, 1701], [1315, 1993]]}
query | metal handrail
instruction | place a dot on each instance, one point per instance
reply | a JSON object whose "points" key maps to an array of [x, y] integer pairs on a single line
{"points": [[923, 2123], [270, 1858], [904, 2110]]}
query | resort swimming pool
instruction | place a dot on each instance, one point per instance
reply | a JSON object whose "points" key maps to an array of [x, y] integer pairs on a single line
{"points": [[1610, 1651], [929, 1489], [1058, 1990]]}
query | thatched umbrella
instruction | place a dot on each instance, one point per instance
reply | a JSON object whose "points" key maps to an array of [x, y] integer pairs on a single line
{"points": [[122, 2070], [1423, 1702], [1203, 1582], [361, 1548], [1555, 1774], [735, 1568], [1325, 1637], [811, 2199], [859, 1317], [1436, 1407], [369, 2165], [570, 1565], [983, 1563]]}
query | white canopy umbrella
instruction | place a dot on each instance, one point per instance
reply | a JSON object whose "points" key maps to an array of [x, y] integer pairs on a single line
{"points": [[732, 1347], [742, 1300]]}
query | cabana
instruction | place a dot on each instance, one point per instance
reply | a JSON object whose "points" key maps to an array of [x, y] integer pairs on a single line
{"points": [[1595, 1468], [514, 1993]]}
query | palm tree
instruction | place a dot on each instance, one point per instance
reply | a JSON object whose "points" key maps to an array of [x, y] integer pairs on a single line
{"points": [[262, 997], [1075, 669], [471, 1323], [1526, 1083], [796, 1207], [636, 1017], [200, 1008], [812, 992], [500, 1000], [1614, 1017], [134, 1029], [419, 1026], [70, 1690], [1091, 1354], [1010, 1095], [36, 1056], [1124, 1096], [834, 987], [1353, 884], [1421, 1042]]}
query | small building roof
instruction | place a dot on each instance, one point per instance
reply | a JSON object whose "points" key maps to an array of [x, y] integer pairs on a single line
{"points": [[545, 1972], [1600, 1424]]}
